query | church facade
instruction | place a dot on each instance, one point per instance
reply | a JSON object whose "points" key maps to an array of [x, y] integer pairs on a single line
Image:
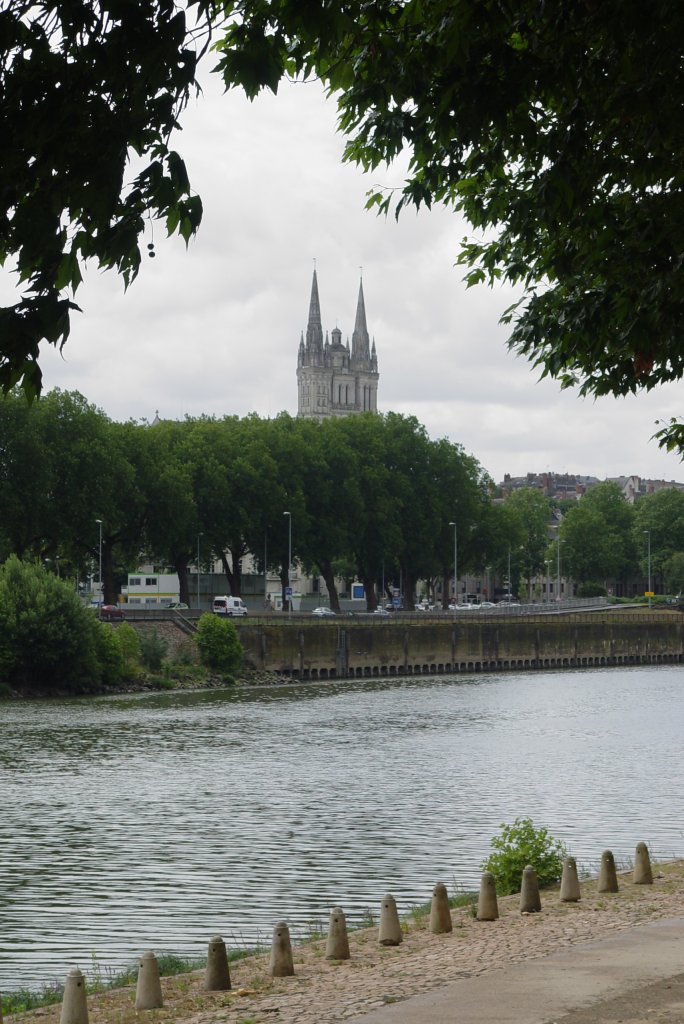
{"points": [[333, 378]]}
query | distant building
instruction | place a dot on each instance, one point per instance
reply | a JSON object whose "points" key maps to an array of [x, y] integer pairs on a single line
{"points": [[557, 486], [334, 379]]}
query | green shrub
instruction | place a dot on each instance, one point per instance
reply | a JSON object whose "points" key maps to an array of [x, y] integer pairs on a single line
{"points": [[517, 846], [153, 648], [108, 654], [48, 640], [129, 645], [218, 644], [591, 590]]}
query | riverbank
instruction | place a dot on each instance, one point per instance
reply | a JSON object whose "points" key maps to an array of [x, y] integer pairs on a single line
{"points": [[323, 992]]}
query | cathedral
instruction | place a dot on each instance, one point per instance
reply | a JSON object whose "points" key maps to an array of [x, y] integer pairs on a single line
{"points": [[332, 378]]}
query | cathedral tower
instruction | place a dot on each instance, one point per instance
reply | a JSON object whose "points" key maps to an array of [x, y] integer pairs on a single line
{"points": [[332, 379]]}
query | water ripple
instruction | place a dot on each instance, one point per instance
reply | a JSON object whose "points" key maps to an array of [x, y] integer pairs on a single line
{"points": [[157, 821]]}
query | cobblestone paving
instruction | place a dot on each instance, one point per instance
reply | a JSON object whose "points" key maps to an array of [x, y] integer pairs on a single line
{"points": [[323, 992]]}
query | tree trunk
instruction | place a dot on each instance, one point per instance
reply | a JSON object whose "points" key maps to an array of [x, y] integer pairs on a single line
{"points": [[180, 564], [409, 590], [284, 583], [446, 579], [369, 590], [329, 577], [109, 590], [234, 574]]}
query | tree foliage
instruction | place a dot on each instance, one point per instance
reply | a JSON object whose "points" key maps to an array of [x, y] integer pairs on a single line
{"points": [[218, 644], [89, 96], [555, 129], [597, 536], [48, 640]]}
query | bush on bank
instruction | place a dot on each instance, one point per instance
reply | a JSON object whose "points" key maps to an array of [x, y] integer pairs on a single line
{"points": [[218, 644], [49, 640], [518, 845]]}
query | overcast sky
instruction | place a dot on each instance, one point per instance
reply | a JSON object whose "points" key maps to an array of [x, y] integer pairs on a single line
{"points": [[215, 329]]}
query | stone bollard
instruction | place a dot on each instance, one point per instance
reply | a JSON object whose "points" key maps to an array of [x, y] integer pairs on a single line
{"points": [[337, 946], [148, 993], [530, 901], [217, 974], [440, 913], [642, 866], [607, 881], [390, 929], [487, 907], [570, 887], [74, 1004], [281, 964]]}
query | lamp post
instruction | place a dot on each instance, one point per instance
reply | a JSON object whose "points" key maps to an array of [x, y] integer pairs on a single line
{"points": [[99, 522], [455, 562], [198, 569], [509, 574], [289, 561], [648, 534], [558, 575], [547, 597]]}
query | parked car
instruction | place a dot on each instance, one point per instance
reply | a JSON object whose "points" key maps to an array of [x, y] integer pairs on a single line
{"points": [[381, 611], [178, 605], [110, 612], [323, 613], [231, 606], [424, 606]]}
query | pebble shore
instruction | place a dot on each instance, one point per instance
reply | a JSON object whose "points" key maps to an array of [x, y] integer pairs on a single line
{"points": [[323, 992]]}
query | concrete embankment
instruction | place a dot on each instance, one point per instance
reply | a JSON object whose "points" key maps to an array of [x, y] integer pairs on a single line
{"points": [[343, 648]]}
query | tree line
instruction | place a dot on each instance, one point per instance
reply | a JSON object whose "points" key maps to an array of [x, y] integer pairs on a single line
{"points": [[370, 497]]}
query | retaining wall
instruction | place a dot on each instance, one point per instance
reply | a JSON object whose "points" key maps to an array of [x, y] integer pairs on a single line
{"points": [[326, 650]]}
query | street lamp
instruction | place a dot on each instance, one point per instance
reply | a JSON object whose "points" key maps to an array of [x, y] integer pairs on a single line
{"points": [[455, 562], [198, 569], [648, 534], [558, 575], [99, 521], [547, 596], [509, 574], [289, 561]]}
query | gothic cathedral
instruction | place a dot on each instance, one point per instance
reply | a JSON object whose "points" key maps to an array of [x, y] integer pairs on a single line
{"points": [[332, 379]]}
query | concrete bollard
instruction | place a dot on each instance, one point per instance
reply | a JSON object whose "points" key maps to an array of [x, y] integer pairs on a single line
{"points": [[74, 1003], [390, 928], [487, 907], [337, 946], [642, 866], [530, 901], [570, 887], [217, 974], [607, 881], [440, 912], [281, 964], [148, 993]]}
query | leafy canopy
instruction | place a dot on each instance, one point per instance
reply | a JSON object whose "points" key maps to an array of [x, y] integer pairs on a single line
{"points": [[555, 129], [87, 90]]}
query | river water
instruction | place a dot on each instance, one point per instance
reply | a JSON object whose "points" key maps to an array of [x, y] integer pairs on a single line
{"points": [[157, 821]]}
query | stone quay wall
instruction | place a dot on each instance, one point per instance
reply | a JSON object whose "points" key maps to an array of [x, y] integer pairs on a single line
{"points": [[345, 649]]}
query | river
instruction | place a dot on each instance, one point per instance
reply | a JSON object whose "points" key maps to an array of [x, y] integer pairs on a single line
{"points": [[157, 821]]}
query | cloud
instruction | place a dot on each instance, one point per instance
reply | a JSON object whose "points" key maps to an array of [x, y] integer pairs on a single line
{"points": [[215, 328]]}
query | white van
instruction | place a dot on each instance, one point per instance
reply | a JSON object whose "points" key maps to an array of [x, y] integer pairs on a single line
{"points": [[223, 605]]}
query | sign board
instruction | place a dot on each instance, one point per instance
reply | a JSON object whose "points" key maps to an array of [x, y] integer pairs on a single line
{"points": [[396, 602], [288, 591], [649, 593]]}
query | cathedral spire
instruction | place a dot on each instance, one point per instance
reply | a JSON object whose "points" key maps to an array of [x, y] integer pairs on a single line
{"points": [[360, 339], [314, 330]]}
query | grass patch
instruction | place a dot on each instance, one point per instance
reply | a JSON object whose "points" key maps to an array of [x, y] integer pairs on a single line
{"points": [[99, 979]]}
